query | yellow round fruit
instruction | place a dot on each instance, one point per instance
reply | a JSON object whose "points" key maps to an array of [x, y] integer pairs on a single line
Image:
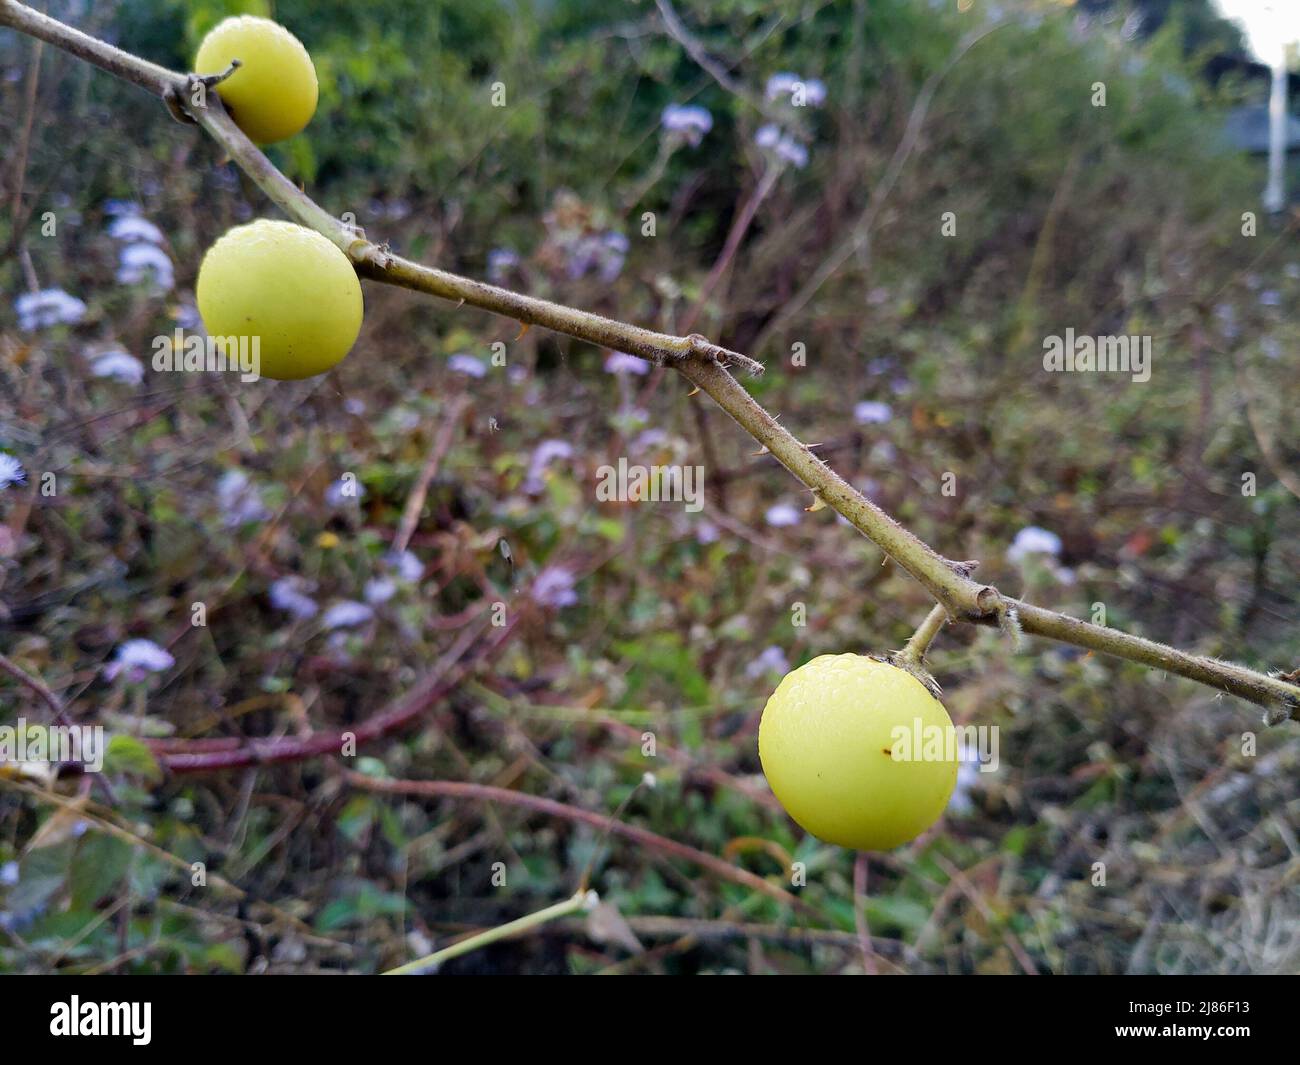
{"points": [[273, 93], [858, 751], [286, 292]]}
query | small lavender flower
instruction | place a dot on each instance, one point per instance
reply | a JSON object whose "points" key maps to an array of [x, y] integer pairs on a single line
{"points": [[647, 439], [346, 615], [688, 121], [870, 412], [404, 419], [1033, 540], [543, 455], [119, 366], [781, 85], [621, 362], [782, 515], [345, 492], [500, 262], [611, 256], [11, 471], [1226, 313], [290, 594], [790, 150], [49, 306], [772, 660], [553, 587], [120, 208], [603, 253], [786, 84], [580, 256], [707, 533], [1270, 298], [137, 659], [239, 500], [406, 565], [773, 139], [138, 263], [133, 228], [187, 316], [814, 92], [467, 365], [379, 590]]}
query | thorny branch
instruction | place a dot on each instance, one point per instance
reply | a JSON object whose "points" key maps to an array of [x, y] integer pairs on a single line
{"points": [[701, 362]]}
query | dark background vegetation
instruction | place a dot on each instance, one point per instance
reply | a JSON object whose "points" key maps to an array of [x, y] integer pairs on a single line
{"points": [[1122, 219]]}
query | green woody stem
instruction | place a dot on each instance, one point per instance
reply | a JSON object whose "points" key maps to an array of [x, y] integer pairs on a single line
{"points": [[583, 900], [699, 361]]}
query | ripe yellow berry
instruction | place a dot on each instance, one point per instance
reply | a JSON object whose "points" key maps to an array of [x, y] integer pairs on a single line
{"points": [[273, 93], [290, 293], [858, 751]]}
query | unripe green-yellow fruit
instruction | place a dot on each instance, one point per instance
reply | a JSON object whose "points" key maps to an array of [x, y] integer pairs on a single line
{"points": [[286, 286], [273, 93], [858, 751]]}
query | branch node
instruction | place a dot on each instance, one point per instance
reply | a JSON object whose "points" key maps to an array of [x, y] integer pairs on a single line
{"points": [[179, 100], [992, 606], [988, 600], [174, 99], [724, 357]]}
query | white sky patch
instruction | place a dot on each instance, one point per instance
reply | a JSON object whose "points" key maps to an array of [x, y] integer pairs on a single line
{"points": [[1269, 24]]}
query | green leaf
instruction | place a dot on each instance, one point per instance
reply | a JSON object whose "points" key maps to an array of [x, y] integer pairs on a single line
{"points": [[128, 755], [363, 902], [99, 867], [356, 817], [890, 914], [1015, 841], [223, 956], [611, 530]]}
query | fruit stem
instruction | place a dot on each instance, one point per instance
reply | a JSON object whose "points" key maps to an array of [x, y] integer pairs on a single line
{"points": [[914, 651]]}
